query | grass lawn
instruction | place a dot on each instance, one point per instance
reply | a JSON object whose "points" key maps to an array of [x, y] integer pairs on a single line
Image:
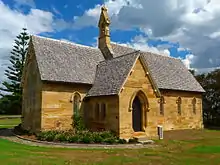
{"points": [[9, 123], [188, 148]]}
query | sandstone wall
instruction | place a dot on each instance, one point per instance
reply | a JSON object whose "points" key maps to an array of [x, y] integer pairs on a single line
{"points": [[111, 120], [57, 104], [139, 81], [31, 100]]}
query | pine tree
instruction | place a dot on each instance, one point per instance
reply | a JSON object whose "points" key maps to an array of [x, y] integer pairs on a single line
{"points": [[14, 73]]}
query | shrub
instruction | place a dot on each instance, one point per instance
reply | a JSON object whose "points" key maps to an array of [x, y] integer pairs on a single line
{"points": [[107, 134], [78, 123], [121, 141], [110, 140], [133, 140], [96, 137], [47, 135], [83, 136], [73, 139], [60, 137], [80, 137], [86, 139]]}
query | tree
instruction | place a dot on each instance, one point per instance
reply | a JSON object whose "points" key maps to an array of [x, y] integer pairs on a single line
{"points": [[192, 72], [12, 90], [211, 98]]}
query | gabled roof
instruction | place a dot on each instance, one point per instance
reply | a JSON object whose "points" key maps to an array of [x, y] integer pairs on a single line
{"points": [[67, 62], [111, 74], [171, 73], [167, 72], [64, 61]]}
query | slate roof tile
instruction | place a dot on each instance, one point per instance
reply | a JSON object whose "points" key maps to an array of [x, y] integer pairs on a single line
{"points": [[111, 74], [73, 63]]}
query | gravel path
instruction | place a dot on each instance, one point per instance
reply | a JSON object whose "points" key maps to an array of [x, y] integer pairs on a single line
{"points": [[9, 135]]}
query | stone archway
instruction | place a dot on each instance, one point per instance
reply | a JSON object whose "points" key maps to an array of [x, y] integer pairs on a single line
{"points": [[139, 107], [137, 115]]}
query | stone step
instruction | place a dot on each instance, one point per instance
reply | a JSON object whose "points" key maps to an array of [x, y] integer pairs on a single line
{"points": [[144, 140], [139, 134]]}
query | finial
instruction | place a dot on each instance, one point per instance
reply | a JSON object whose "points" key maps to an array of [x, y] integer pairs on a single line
{"points": [[104, 8], [104, 34]]}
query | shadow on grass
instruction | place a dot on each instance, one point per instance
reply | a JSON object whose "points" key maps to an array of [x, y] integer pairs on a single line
{"points": [[208, 127], [6, 132]]}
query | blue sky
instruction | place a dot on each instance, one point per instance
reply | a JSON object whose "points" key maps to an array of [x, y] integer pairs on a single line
{"points": [[67, 10], [171, 28]]}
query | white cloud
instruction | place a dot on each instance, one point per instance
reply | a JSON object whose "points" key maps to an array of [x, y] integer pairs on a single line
{"points": [[56, 11], [188, 60], [91, 16], [192, 23], [36, 21], [140, 43], [30, 3]]}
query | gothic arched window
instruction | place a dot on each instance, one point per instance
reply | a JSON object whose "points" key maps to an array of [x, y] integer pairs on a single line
{"points": [[162, 102], [194, 105], [179, 102], [103, 111], [76, 103], [97, 111]]}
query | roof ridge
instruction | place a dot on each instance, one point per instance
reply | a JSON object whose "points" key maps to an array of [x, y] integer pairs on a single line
{"points": [[90, 47], [120, 56], [158, 54], [64, 41]]}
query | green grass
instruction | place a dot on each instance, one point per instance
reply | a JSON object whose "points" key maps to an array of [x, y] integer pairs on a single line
{"points": [[9, 123], [3, 116], [197, 147]]}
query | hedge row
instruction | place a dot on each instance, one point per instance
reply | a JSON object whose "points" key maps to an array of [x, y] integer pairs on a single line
{"points": [[105, 137]]}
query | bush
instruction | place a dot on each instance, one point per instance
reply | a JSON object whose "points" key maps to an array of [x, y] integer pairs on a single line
{"points": [[81, 135], [47, 135], [60, 137], [73, 139], [107, 134], [86, 139], [122, 141], [96, 137], [110, 140], [133, 140], [78, 123]]}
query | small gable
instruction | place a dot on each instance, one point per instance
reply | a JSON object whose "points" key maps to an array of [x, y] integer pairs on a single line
{"points": [[30, 63], [140, 79], [111, 74]]}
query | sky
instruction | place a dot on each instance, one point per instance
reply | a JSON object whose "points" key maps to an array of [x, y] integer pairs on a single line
{"points": [[185, 29]]}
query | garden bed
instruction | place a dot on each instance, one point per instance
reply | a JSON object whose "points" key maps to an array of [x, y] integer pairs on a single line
{"points": [[76, 137]]}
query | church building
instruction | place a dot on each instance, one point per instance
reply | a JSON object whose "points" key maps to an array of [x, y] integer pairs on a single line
{"points": [[113, 87]]}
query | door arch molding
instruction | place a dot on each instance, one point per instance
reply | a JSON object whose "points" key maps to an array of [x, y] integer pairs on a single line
{"points": [[143, 109], [143, 99]]}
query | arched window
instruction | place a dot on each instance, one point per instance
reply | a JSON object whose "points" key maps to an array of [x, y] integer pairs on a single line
{"points": [[194, 105], [162, 102], [76, 103], [103, 111], [179, 102], [97, 111]]}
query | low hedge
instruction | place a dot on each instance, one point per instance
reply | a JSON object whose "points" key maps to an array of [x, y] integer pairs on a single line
{"points": [[85, 136], [78, 135]]}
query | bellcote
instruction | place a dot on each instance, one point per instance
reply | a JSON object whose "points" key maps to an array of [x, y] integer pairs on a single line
{"points": [[104, 34]]}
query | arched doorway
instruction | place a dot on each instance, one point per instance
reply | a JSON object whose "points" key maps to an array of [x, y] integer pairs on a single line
{"points": [[137, 115], [139, 107]]}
